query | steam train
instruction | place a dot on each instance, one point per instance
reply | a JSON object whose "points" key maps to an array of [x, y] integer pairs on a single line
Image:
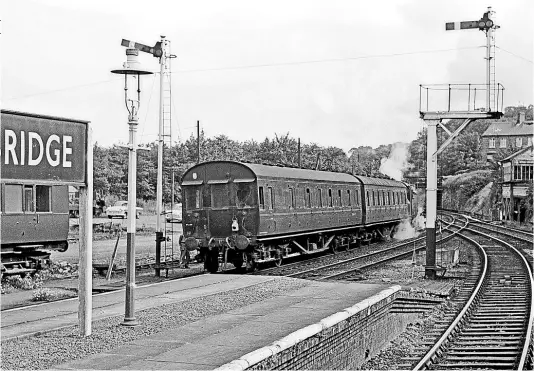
{"points": [[247, 214]]}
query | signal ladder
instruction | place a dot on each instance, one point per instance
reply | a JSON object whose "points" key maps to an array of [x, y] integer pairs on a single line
{"points": [[166, 96], [492, 86]]}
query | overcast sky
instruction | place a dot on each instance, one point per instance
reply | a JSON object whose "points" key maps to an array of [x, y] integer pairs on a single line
{"points": [[336, 73]]}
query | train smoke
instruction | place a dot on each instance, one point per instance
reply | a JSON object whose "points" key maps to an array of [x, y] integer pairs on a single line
{"points": [[396, 162], [407, 229]]}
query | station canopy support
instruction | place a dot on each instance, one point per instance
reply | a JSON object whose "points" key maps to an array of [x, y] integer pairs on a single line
{"points": [[433, 119]]}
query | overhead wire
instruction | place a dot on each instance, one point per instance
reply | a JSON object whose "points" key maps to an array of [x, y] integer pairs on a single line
{"points": [[515, 55], [263, 66], [326, 60], [63, 89]]}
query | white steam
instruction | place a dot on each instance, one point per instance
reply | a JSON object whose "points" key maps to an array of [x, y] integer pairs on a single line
{"points": [[407, 229], [397, 161]]}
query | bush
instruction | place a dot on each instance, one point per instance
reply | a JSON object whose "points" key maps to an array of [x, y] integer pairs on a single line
{"points": [[46, 294], [11, 283]]}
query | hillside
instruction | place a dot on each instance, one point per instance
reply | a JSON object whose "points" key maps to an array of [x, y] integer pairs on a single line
{"points": [[474, 191]]}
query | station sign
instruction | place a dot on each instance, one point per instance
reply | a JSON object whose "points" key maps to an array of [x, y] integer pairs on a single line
{"points": [[42, 148]]}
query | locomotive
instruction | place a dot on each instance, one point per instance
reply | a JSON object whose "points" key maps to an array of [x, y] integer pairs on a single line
{"points": [[247, 214]]}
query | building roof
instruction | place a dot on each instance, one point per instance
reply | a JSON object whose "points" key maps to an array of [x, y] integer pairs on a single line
{"points": [[509, 129], [517, 153]]}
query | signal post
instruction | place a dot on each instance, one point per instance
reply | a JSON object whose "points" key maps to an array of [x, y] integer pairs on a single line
{"points": [[467, 111]]}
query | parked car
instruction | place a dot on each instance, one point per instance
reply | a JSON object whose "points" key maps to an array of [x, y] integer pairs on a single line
{"points": [[120, 210], [174, 215]]}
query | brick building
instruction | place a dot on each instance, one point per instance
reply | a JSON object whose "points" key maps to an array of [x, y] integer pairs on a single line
{"points": [[506, 136], [517, 176]]}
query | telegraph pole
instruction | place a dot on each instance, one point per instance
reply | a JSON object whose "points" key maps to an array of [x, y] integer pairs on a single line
{"points": [[198, 142]]}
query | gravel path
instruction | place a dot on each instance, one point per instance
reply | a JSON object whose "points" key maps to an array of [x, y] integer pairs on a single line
{"points": [[54, 348]]}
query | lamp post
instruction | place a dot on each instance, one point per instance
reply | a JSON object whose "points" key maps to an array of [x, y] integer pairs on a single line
{"points": [[132, 70]]}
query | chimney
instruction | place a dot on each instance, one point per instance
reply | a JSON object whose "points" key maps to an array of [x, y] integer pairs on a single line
{"points": [[521, 117]]}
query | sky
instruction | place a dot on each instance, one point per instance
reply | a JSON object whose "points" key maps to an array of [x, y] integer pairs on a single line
{"points": [[331, 72]]}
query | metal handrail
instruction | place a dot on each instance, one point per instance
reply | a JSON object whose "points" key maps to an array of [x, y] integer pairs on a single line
{"points": [[496, 105]]}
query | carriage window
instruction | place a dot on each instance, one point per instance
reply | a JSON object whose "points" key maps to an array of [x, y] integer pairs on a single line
{"points": [[291, 198], [220, 195], [245, 194], [374, 199], [262, 198], [367, 195], [348, 197], [42, 198], [308, 198], [192, 197], [320, 197], [330, 201], [13, 198], [339, 197], [271, 197], [28, 198], [206, 196], [388, 198]]}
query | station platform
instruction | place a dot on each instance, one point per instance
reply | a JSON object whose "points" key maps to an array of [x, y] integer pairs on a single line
{"points": [[204, 344]]}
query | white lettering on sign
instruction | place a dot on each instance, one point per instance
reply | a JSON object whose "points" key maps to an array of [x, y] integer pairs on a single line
{"points": [[15, 150], [31, 138]]}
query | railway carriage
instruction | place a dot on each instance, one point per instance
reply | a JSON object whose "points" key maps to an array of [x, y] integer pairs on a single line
{"points": [[35, 221], [246, 214], [41, 156]]}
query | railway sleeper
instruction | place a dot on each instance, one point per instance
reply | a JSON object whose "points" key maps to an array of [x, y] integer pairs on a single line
{"points": [[476, 365], [483, 353]]}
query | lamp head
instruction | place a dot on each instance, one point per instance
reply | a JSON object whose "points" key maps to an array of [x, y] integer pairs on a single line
{"points": [[132, 66]]}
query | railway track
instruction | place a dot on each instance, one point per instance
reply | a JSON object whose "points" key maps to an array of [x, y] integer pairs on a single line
{"points": [[493, 329], [351, 264]]}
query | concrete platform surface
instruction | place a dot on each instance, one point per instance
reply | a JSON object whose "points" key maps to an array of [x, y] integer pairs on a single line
{"points": [[20, 322], [213, 341], [204, 344]]}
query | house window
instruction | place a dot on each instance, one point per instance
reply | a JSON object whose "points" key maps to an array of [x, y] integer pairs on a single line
{"points": [[491, 143], [518, 142], [517, 172], [502, 143]]}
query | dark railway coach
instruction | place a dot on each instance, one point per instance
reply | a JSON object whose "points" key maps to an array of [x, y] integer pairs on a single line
{"points": [[40, 156], [247, 214]]}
